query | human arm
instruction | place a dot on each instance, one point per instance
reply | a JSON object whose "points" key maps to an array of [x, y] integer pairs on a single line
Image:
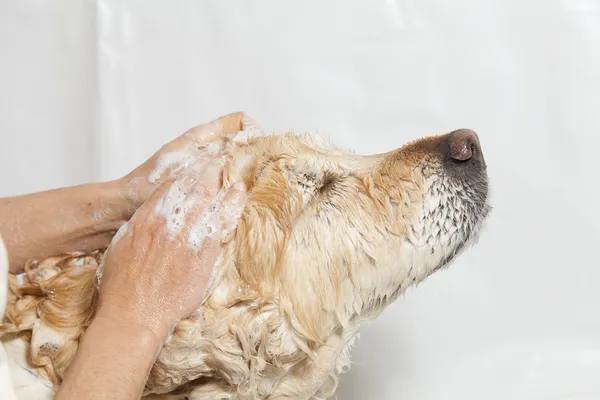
{"points": [[86, 217], [153, 275], [83, 218]]}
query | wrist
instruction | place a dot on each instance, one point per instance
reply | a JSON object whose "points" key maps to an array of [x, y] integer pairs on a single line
{"points": [[118, 195], [125, 330], [127, 315], [133, 190], [123, 327], [113, 354]]}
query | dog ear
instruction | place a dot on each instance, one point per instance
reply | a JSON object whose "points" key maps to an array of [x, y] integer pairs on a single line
{"points": [[262, 230]]}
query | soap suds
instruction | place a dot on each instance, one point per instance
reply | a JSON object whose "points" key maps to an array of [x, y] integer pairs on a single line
{"points": [[76, 271], [99, 271], [251, 130], [240, 165], [212, 222], [182, 196], [174, 161], [213, 274], [252, 127], [78, 262], [242, 137], [176, 204], [44, 337], [120, 233], [213, 148], [203, 228], [178, 160]]}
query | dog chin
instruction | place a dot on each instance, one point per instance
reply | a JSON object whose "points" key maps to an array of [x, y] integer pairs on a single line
{"points": [[453, 212]]}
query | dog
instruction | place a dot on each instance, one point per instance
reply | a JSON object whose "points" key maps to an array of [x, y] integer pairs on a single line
{"points": [[327, 240]]}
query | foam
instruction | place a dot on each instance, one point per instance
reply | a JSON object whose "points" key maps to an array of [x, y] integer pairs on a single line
{"points": [[176, 204], [252, 127], [212, 222], [242, 137], [45, 337], [21, 278], [120, 233], [178, 160], [76, 271], [240, 165], [78, 262], [174, 161], [213, 148], [206, 226]]}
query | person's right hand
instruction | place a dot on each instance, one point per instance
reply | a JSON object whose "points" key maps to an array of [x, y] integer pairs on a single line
{"points": [[157, 268]]}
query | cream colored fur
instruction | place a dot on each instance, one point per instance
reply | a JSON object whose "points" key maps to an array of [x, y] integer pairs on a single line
{"points": [[327, 240]]}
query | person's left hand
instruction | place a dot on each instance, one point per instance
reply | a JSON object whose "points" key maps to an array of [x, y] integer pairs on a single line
{"points": [[175, 156]]}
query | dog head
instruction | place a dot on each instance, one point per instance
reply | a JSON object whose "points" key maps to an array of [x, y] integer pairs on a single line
{"points": [[336, 236]]}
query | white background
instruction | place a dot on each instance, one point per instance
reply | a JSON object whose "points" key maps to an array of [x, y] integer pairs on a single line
{"points": [[89, 89]]}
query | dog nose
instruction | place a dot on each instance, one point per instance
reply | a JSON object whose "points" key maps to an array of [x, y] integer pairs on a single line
{"points": [[463, 145]]}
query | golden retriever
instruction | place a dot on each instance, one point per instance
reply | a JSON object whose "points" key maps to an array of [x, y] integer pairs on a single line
{"points": [[327, 240]]}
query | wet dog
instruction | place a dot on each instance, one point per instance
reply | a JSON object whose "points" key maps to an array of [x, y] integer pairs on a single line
{"points": [[327, 240]]}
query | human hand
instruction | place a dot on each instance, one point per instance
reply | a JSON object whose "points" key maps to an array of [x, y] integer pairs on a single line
{"points": [[177, 155], [156, 270]]}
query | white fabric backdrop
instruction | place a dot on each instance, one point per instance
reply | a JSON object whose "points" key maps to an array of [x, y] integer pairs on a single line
{"points": [[89, 89]]}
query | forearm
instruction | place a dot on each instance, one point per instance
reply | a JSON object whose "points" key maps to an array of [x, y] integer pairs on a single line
{"points": [[112, 363], [78, 218]]}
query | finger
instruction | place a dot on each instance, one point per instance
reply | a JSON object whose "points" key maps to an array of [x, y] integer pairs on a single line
{"points": [[224, 125], [174, 204], [250, 129], [208, 184], [236, 195], [155, 197], [202, 194], [198, 167], [210, 257], [177, 189], [209, 253], [232, 123], [217, 219], [214, 220]]}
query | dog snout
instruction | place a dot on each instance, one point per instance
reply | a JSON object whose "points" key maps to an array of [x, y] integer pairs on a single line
{"points": [[463, 147], [458, 152]]}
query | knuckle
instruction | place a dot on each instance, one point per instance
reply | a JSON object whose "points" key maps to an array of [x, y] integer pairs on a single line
{"points": [[211, 191]]}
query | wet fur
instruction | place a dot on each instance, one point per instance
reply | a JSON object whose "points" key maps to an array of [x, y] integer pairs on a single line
{"points": [[327, 240]]}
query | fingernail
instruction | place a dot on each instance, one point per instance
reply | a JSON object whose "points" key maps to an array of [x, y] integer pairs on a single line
{"points": [[241, 186]]}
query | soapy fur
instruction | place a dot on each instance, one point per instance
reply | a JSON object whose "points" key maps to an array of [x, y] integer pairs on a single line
{"points": [[327, 240]]}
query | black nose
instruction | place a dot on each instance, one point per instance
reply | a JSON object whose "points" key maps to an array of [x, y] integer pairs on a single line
{"points": [[463, 146]]}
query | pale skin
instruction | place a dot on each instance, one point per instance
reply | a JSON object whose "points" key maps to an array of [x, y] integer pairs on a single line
{"points": [[151, 278]]}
